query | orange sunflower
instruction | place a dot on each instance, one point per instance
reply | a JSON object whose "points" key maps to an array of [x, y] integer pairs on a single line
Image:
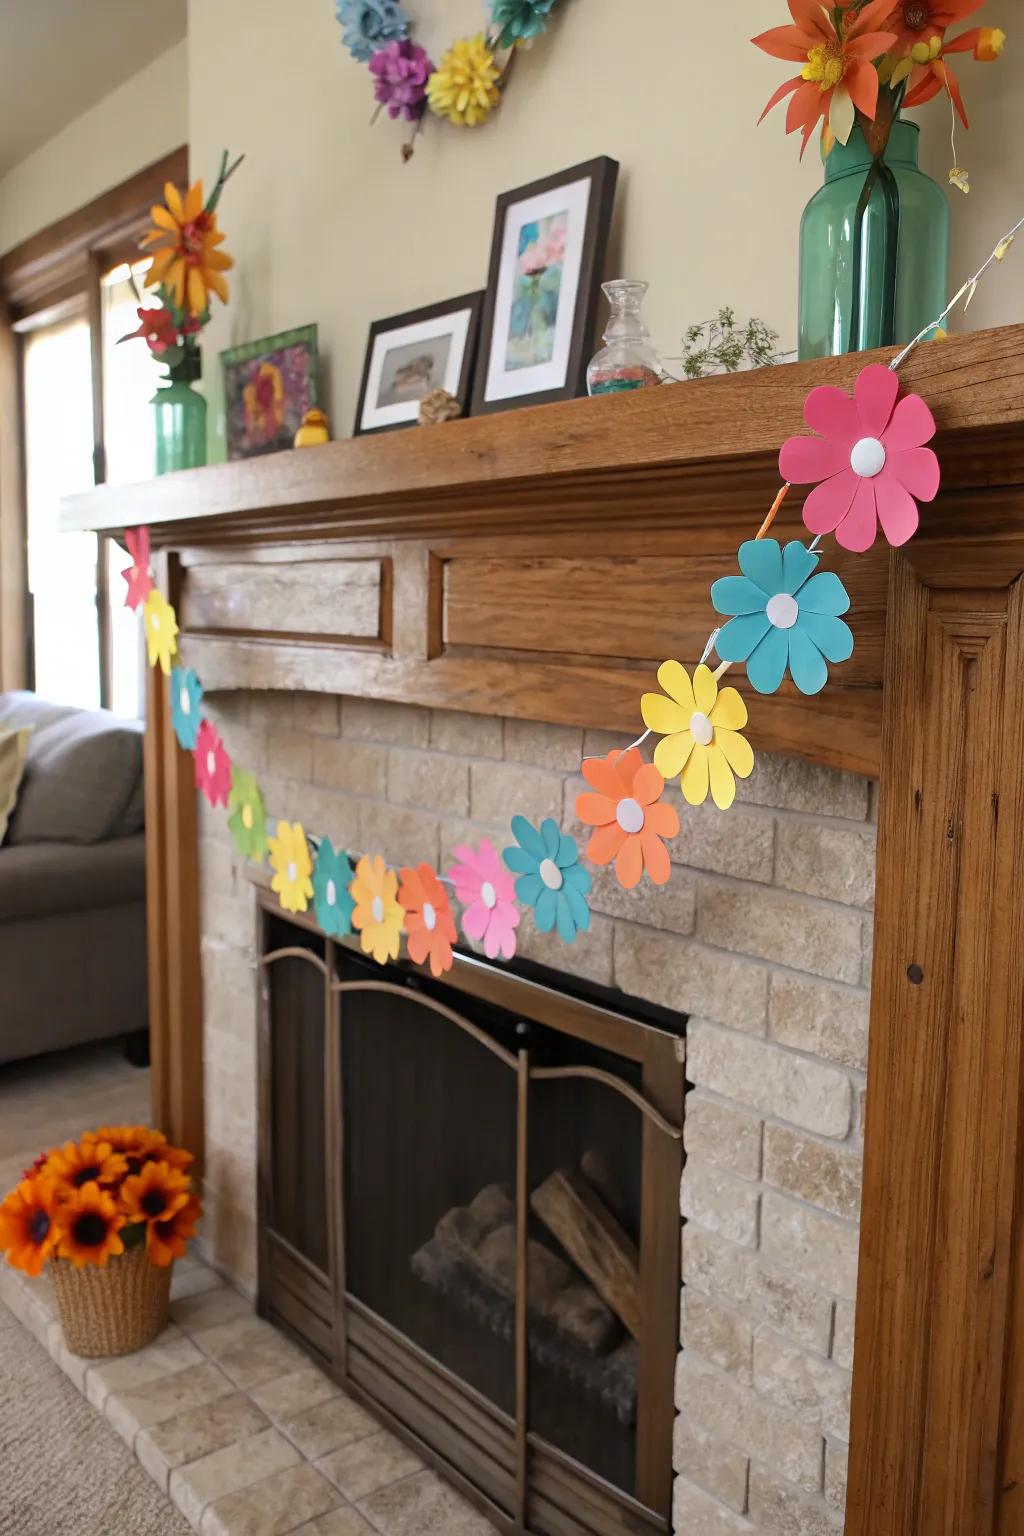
{"points": [[88, 1161], [155, 1194], [167, 1240], [89, 1226], [28, 1228], [184, 243]]}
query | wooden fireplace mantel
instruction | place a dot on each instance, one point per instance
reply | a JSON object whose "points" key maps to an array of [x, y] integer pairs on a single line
{"points": [[541, 563]]}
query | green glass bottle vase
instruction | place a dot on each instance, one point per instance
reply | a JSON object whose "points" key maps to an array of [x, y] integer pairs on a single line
{"points": [[180, 419], [874, 249]]}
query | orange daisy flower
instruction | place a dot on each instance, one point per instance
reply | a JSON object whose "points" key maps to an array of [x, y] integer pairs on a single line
{"points": [[931, 74], [88, 1161], [167, 1240], [429, 923], [184, 243], [918, 21], [28, 1227], [89, 1225], [838, 78], [629, 820], [155, 1194]]}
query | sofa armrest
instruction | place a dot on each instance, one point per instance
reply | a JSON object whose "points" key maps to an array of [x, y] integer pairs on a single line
{"points": [[40, 879]]}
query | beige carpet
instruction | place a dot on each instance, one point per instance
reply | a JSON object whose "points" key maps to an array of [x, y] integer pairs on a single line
{"points": [[63, 1470]]}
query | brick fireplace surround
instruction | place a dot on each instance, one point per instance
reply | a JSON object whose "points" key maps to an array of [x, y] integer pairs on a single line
{"points": [[762, 937]]}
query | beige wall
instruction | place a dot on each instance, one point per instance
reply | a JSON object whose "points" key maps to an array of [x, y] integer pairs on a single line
{"points": [[327, 224], [142, 120]]}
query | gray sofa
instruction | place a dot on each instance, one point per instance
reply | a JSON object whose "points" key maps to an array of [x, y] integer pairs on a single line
{"points": [[72, 881]]}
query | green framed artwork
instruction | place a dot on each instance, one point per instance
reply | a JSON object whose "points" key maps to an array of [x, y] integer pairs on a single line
{"points": [[269, 386]]}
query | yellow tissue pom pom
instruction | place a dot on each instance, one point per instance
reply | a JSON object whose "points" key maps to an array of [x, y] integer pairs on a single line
{"points": [[464, 89]]}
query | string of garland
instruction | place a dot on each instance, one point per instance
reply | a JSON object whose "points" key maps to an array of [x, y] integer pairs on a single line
{"points": [[870, 466]]}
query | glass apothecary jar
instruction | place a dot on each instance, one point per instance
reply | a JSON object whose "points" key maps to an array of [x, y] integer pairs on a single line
{"points": [[628, 360]]}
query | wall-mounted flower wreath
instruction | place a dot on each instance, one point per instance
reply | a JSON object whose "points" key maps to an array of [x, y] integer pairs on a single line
{"points": [[465, 87]]}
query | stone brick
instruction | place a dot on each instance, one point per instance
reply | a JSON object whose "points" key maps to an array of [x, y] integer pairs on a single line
{"points": [[790, 1302], [677, 973], [457, 832], [451, 730], [787, 930], [547, 746], [428, 780], [741, 843], [842, 1334], [738, 1414], [270, 708], [837, 863], [782, 1510], [230, 920], [819, 1172], [790, 784], [343, 764], [326, 814], [716, 1466], [499, 790], [403, 837], [671, 907], [696, 1513], [290, 755], [822, 1020], [719, 1133], [836, 1465], [720, 1203], [820, 1247], [717, 1334], [589, 957], [400, 725], [752, 1072], [318, 713], [806, 1384]]}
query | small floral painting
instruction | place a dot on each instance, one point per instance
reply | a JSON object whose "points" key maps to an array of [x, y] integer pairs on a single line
{"points": [[268, 387], [540, 262]]}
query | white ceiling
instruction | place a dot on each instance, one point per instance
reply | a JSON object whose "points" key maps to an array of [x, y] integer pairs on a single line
{"points": [[59, 57]]}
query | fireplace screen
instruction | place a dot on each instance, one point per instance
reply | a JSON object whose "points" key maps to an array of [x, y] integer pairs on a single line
{"points": [[469, 1210]]}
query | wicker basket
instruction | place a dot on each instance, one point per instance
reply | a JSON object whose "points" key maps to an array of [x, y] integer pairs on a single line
{"points": [[113, 1310]]}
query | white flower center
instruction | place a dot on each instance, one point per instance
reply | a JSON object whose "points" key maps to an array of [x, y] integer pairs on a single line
{"points": [[701, 729], [867, 457], [377, 908], [630, 815], [551, 874], [293, 873], [429, 917], [488, 895], [331, 893], [247, 817], [211, 763], [154, 621], [184, 702], [782, 610]]}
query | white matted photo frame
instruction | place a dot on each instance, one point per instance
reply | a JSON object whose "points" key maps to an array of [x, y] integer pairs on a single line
{"points": [[547, 259], [409, 355]]}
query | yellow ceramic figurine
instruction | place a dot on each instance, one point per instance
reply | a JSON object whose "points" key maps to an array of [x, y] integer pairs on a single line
{"points": [[315, 430]]}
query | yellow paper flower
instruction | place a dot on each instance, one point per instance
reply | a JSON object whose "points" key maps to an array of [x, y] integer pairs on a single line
{"points": [[184, 241], [464, 88], [161, 631], [700, 727], [377, 916], [292, 866]]}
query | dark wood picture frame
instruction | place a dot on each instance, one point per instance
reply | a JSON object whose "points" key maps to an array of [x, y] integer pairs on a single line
{"points": [[471, 301], [603, 173]]}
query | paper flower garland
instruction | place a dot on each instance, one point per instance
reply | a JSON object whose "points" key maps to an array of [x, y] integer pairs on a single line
{"points": [[161, 631], [332, 901], [247, 818], [630, 821], [377, 916], [212, 764], [784, 616], [140, 582], [870, 462], [289, 859], [485, 889], [551, 878], [429, 923], [701, 729], [186, 697]]}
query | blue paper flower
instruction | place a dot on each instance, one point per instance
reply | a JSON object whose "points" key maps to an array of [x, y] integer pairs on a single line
{"points": [[368, 24], [519, 19], [784, 616], [332, 902], [186, 697], [551, 878]]}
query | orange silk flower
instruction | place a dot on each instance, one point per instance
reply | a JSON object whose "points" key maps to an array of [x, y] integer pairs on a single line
{"points": [[629, 820], [429, 925]]}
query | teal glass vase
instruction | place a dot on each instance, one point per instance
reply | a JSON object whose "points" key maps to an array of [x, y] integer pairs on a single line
{"points": [[180, 426], [874, 249]]}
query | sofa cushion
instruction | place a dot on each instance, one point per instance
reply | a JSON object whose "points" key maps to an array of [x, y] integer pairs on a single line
{"points": [[13, 749], [82, 775], [43, 879]]}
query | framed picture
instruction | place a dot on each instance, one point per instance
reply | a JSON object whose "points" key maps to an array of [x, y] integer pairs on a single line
{"points": [[547, 259], [269, 386], [409, 355]]}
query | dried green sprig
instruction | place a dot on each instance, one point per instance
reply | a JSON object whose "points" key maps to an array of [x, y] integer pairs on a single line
{"points": [[722, 346]]}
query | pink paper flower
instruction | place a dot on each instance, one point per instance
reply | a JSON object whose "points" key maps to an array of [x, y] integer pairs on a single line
{"points": [[140, 582], [486, 890], [870, 460], [213, 766]]}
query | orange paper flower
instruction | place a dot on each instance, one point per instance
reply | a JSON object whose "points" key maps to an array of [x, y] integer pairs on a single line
{"points": [[89, 1225], [28, 1228], [184, 243], [167, 1240], [429, 923], [155, 1194], [377, 916], [629, 820]]}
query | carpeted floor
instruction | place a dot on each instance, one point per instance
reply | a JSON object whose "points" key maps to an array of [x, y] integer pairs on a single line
{"points": [[63, 1470]]}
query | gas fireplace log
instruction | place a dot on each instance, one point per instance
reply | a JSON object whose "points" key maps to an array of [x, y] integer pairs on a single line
{"points": [[595, 1242], [595, 1168]]}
